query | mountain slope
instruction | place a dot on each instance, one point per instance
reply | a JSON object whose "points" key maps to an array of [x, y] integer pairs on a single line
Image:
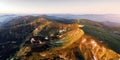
{"points": [[13, 35], [102, 33]]}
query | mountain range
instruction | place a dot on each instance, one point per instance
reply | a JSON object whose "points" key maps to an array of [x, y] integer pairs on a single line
{"points": [[58, 38]]}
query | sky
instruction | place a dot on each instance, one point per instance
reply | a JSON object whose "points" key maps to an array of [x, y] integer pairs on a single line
{"points": [[60, 6]]}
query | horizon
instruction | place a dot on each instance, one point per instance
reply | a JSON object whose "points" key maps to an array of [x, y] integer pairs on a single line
{"points": [[59, 7], [94, 17]]}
